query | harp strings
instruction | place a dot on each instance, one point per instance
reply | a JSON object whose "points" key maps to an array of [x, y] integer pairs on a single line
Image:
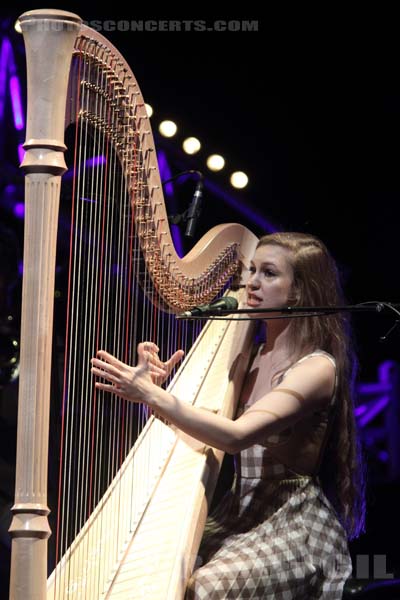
{"points": [[113, 304], [109, 310]]}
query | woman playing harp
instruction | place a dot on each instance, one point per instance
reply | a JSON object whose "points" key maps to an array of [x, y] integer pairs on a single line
{"points": [[282, 531]]}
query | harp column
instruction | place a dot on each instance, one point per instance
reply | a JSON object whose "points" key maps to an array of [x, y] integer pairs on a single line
{"points": [[49, 38]]}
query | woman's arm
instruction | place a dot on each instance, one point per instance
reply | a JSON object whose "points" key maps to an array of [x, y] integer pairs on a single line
{"points": [[306, 389]]}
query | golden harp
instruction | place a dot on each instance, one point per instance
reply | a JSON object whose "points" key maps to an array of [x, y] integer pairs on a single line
{"points": [[132, 492]]}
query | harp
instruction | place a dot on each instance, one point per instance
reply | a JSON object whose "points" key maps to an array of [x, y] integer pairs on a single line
{"points": [[134, 497]]}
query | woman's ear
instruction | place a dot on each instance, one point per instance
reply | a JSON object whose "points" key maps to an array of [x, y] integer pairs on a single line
{"points": [[294, 295]]}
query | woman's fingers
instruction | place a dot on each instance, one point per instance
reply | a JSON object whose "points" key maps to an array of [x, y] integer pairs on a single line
{"points": [[106, 387], [107, 367], [105, 374], [145, 350], [109, 358], [114, 371], [150, 356], [153, 360], [150, 347], [161, 371], [175, 358]]}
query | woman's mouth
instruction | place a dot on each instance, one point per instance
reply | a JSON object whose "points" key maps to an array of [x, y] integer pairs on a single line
{"points": [[253, 300]]}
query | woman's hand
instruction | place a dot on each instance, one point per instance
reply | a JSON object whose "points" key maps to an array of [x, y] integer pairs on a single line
{"points": [[133, 383], [159, 371]]}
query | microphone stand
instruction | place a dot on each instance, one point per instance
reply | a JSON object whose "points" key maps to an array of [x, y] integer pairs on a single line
{"points": [[304, 311], [291, 312]]}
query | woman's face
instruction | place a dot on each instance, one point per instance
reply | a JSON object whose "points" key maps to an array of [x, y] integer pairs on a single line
{"points": [[271, 278]]}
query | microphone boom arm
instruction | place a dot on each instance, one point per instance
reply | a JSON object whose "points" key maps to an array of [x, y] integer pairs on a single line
{"points": [[292, 311]]}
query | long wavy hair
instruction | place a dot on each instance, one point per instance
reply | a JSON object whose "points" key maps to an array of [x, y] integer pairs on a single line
{"points": [[317, 283]]}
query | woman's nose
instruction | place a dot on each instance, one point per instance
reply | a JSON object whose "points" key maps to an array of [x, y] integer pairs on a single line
{"points": [[253, 281]]}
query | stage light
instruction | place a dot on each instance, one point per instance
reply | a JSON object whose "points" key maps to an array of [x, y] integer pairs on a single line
{"points": [[16, 102], [95, 161], [239, 179], [19, 210], [191, 145], [21, 152], [167, 128], [149, 110], [215, 162]]}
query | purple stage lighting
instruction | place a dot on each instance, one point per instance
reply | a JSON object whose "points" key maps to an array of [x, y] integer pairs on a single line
{"points": [[15, 92], [165, 173], [21, 152], [95, 161], [5, 53], [90, 163], [19, 210], [8, 68]]}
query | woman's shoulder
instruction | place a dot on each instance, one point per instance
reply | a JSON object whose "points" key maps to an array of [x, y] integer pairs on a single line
{"points": [[317, 352], [306, 357], [303, 361], [315, 368]]}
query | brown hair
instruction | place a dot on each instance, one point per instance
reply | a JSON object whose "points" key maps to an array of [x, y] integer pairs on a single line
{"points": [[317, 283]]}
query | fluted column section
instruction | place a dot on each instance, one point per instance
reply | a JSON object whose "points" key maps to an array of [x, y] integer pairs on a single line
{"points": [[49, 38], [30, 528]]}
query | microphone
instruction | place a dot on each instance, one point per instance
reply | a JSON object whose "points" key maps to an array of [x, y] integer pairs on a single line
{"points": [[221, 304], [194, 210]]}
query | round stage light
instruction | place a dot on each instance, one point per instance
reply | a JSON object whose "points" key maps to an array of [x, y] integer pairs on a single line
{"points": [[191, 145], [215, 162], [167, 128], [239, 179]]}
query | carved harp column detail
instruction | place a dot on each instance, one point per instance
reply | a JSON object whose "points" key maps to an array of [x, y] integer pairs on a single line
{"points": [[43, 164]]}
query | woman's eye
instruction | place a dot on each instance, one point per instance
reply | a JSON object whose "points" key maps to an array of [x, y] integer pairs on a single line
{"points": [[269, 273]]}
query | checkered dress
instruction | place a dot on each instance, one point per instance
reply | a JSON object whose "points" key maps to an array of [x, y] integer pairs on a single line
{"points": [[273, 536]]}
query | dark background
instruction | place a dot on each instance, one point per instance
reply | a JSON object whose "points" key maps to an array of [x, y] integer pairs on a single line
{"points": [[309, 107]]}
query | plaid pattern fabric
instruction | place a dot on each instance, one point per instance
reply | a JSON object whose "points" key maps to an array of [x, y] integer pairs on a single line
{"points": [[273, 536], [297, 551]]}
